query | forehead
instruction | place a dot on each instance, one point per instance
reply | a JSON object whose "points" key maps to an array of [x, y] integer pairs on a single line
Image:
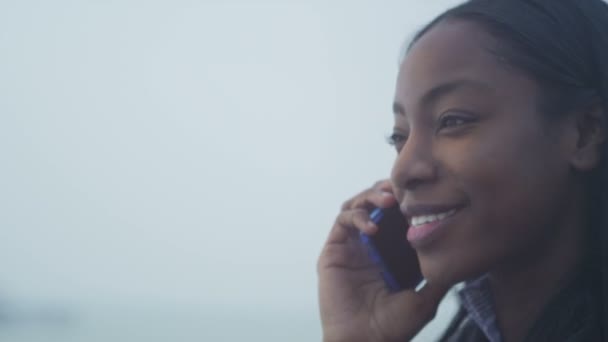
{"points": [[456, 50]]}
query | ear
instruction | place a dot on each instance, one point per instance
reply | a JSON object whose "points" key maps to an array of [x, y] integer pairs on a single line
{"points": [[590, 136]]}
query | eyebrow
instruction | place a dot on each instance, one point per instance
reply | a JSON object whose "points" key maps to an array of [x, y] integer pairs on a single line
{"points": [[442, 90]]}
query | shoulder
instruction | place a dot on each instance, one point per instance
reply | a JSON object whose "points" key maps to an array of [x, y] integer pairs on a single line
{"points": [[574, 314]]}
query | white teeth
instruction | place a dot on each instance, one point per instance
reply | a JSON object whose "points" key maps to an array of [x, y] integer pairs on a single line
{"points": [[420, 220]]}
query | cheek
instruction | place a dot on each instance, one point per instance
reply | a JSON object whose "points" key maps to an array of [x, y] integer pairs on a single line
{"points": [[512, 181], [510, 190]]}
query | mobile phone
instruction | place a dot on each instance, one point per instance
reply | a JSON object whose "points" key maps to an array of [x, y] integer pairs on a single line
{"points": [[391, 251]]}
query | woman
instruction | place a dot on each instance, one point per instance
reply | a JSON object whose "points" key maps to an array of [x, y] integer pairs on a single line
{"points": [[500, 129]]}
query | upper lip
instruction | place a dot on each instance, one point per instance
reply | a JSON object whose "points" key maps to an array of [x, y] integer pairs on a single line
{"points": [[412, 210]]}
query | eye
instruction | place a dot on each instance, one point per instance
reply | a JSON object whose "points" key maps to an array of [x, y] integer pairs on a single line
{"points": [[396, 139], [450, 121]]}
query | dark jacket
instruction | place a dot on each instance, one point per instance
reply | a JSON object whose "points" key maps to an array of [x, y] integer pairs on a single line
{"points": [[573, 315]]}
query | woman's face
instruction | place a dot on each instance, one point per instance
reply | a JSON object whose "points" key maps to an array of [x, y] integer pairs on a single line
{"points": [[470, 138]]}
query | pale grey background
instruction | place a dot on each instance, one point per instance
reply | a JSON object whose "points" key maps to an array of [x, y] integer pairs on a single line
{"points": [[169, 169]]}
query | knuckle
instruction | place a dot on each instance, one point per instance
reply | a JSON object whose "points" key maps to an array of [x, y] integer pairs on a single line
{"points": [[362, 219], [384, 185], [354, 218], [340, 219], [359, 215], [346, 205], [322, 262], [363, 199], [319, 265], [381, 183], [359, 201]]}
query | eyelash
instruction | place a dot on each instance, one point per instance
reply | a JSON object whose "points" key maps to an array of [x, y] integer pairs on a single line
{"points": [[396, 139], [446, 119]]}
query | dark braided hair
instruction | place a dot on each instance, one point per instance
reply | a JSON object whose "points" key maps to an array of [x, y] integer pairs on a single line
{"points": [[563, 45]]}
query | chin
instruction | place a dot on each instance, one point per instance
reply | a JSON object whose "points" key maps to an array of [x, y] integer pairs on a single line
{"points": [[450, 270]]}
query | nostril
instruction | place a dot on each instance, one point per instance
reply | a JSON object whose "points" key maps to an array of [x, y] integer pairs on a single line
{"points": [[413, 184], [413, 177]]}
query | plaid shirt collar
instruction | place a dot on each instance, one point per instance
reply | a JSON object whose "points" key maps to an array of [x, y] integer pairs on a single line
{"points": [[476, 298]]}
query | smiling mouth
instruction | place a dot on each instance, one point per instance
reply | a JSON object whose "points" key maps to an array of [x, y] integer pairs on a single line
{"points": [[421, 220], [429, 222]]}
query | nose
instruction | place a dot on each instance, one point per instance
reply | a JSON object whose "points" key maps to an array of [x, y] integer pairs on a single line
{"points": [[415, 166]]}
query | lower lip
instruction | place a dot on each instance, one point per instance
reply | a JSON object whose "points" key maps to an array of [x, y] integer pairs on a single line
{"points": [[428, 232]]}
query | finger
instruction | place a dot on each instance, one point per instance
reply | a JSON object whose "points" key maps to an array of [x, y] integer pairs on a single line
{"points": [[384, 185], [338, 234], [355, 212], [357, 219], [349, 204], [374, 198], [349, 222]]}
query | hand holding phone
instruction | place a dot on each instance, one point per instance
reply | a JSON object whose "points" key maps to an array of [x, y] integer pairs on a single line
{"points": [[353, 293], [391, 251]]}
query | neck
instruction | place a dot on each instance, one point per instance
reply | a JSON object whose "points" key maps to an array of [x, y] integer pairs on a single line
{"points": [[521, 291]]}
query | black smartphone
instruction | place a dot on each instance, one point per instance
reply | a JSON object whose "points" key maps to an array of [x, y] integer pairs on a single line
{"points": [[390, 249]]}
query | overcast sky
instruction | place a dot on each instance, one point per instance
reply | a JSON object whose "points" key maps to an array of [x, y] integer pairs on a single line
{"points": [[189, 152]]}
